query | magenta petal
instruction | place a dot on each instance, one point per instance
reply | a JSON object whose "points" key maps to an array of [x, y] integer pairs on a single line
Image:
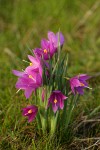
{"points": [[75, 82], [31, 118], [79, 90], [53, 49], [51, 98], [21, 86], [44, 44], [33, 60], [24, 113], [18, 73], [28, 92], [84, 77], [38, 52], [32, 69], [55, 108], [61, 104], [38, 80], [63, 97], [51, 36], [60, 36]]}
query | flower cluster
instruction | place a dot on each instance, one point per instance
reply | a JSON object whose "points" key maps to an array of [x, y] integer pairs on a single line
{"points": [[31, 79]]}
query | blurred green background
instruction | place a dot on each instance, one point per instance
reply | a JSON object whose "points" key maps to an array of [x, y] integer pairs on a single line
{"points": [[23, 23]]}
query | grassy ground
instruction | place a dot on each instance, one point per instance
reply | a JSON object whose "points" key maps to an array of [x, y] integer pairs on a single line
{"points": [[22, 25]]}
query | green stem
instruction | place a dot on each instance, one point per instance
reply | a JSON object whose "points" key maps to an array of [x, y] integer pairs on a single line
{"points": [[54, 123]]}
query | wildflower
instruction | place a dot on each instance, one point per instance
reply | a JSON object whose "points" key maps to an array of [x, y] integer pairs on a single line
{"points": [[57, 100], [30, 112], [43, 52], [55, 38], [38, 52], [46, 49], [28, 81], [35, 64], [49, 47], [78, 83], [31, 78]]}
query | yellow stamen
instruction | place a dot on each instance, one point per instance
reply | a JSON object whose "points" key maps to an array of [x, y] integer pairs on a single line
{"points": [[30, 111], [31, 64], [30, 77], [45, 51], [55, 101], [82, 84]]}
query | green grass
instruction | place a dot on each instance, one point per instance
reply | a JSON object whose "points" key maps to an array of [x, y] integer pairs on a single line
{"points": [[22, 25]]}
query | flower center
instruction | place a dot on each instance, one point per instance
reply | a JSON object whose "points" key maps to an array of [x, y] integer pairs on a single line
{"points": [[30, 77], [45, 51], [81, 84], [31, 64], [55, 101], [30, 111]]}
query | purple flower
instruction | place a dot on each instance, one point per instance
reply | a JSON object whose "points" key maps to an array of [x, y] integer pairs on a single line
{"points": [[57, 100], [28, 81], [47, 54], [38, 52], [49, 47], [45, 51], [35, 64], [30, 112], [55, 38], [78, 83]]}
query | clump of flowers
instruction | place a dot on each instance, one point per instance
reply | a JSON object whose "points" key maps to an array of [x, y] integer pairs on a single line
{"points": [[45, 79]]}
